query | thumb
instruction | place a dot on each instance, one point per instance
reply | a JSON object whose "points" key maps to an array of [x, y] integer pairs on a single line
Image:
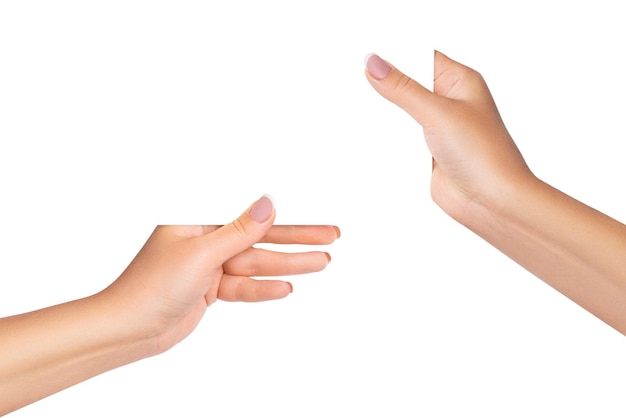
{"points": [[419, 102], [453, 81], [423, 105], [243, 232]]}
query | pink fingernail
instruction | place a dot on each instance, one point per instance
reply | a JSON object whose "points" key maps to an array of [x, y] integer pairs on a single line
{"points": [[263, 208], [376, 66]]}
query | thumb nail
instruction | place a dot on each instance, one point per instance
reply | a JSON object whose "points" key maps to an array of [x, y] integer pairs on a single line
{"points": [[262, 209], [376, 66]]}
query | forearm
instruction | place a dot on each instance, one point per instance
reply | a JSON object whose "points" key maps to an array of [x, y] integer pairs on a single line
{"points": [[574, 248], [46, 351]]}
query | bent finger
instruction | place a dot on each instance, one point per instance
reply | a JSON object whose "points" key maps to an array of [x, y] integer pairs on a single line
{"points": [[260, 262], [246, 289]]}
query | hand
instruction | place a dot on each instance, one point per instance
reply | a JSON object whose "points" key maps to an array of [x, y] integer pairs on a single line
{"points": [[182, 270], [154, 304], [474, 157], [480, 178]]}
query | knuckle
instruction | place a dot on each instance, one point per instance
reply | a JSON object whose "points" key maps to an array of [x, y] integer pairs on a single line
{"points": [[254, 264], [239, 228], [240, 291], [402, 84], [474, 76]]}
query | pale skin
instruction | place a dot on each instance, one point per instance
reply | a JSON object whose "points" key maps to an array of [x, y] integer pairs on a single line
{"points": [[156, 302], [480, 179]]}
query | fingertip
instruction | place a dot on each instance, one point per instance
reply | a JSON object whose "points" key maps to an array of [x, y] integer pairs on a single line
{"points": [[337, 231], [440, 55], [263, 208], [438, 59], [271, 198], [376, 66], [281, 291]]}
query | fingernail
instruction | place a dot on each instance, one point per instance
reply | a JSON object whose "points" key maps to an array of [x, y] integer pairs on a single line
{"points": [[262, 209], [328, 257], [376, 66], [338, 231], [290, 287]]}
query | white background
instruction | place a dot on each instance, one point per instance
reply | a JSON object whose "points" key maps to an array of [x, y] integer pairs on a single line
{"points": [[116, 116]]}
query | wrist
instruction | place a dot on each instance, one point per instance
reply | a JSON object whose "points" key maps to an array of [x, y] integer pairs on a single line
{"points": [[512, 198], [474, 204], [569, 245], [504, 202], [124, 325]]}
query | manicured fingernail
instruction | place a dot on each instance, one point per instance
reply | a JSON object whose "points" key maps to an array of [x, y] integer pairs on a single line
{"points": [[338, 231], [290, 287], [328, 257], [376, 66], [262, 209]]}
